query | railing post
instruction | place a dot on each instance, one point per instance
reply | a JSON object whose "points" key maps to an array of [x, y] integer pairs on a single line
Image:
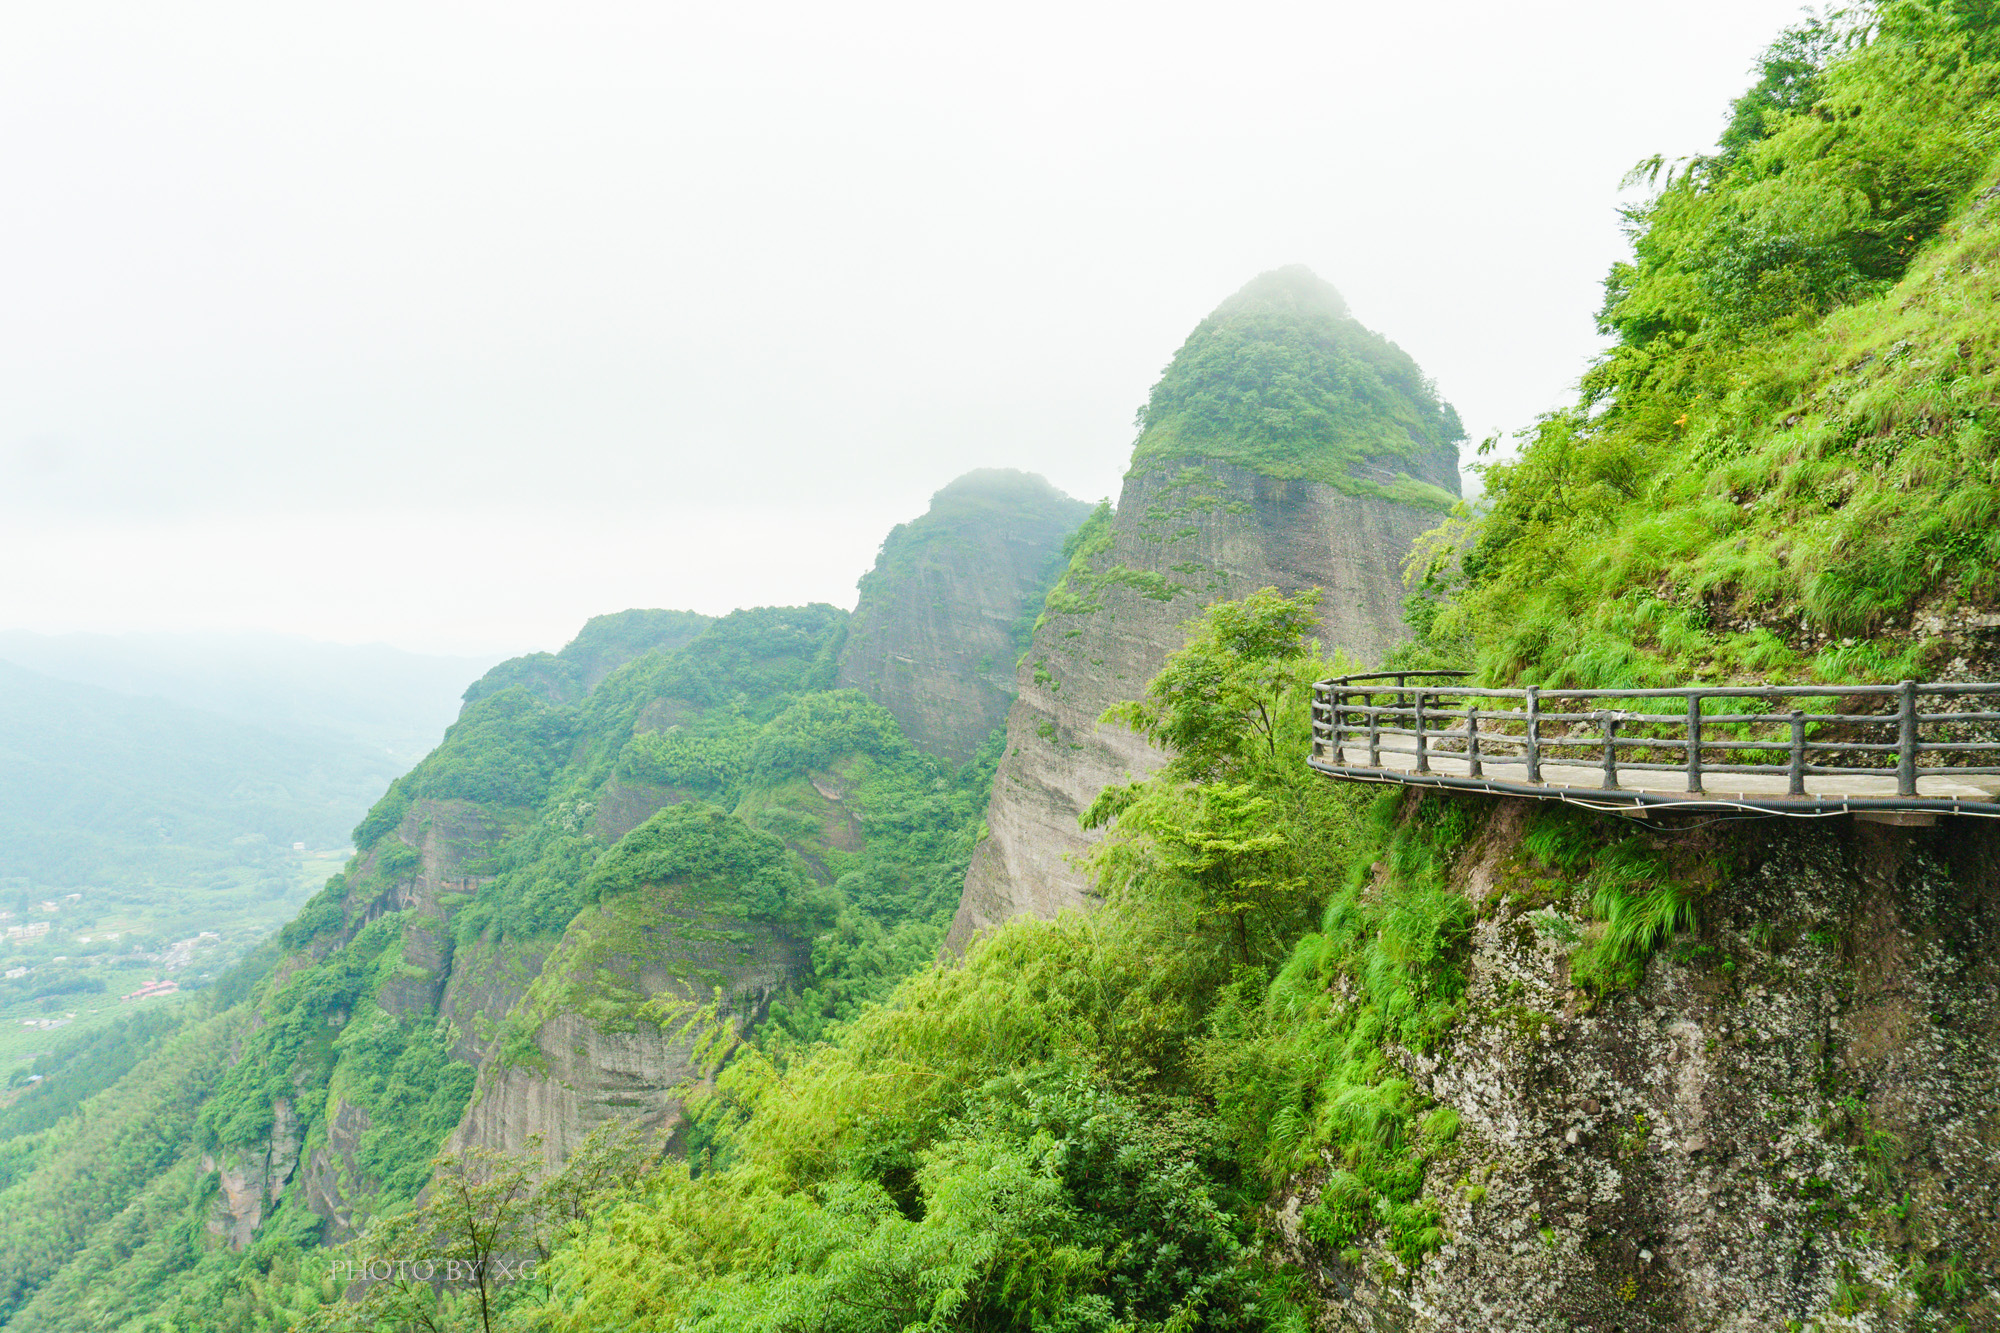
{"points": [[1423, 755], [1472, 736], [1771, 707], [1906, 740], [1798, 783], [1694, 743], [1534, 733], [1374, 733], [1333, 729], [1610, 749]]}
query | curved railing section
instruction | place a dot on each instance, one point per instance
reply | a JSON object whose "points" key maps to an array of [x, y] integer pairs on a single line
{"points": [[1784, 749]]}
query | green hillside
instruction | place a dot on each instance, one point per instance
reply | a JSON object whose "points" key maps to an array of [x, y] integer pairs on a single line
{"points": [[130, 826], [131, 821], [1805, 332], [661, 763], [1280, 379], [1785, 468]]}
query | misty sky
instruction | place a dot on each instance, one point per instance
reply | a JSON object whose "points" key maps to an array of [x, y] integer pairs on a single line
{"points": [[450, 325]]}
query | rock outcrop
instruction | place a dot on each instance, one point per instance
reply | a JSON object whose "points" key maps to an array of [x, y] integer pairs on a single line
{"points": [[1286, 446], [249, 1183], [335, 1187], [1791, 1122], [945, 612], [612, 1026], [419, 872]]}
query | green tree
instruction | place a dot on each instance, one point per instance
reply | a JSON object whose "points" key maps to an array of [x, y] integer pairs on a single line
{"points": [[466, 1256], [1229, 826], [1226, 701]]}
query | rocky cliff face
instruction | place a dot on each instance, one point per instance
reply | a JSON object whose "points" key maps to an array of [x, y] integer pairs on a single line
{"points": [[1792, 1122], [429, 981], [1215, 506], [943, 615], [250, 1183], [603, 1032]]}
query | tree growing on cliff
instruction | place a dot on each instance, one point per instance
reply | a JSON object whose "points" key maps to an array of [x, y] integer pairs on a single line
{"points": [[1231, 827], [1224, 705]]}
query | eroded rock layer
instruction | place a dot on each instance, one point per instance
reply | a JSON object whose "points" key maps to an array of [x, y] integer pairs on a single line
{"points": [[604, 1032]]}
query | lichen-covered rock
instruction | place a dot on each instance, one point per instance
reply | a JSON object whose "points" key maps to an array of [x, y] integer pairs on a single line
{"points": [[1792, 1122]]}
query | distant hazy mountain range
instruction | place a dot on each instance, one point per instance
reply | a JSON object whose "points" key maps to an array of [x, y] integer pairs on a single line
{"points": [[383, 697], [150, 757]]}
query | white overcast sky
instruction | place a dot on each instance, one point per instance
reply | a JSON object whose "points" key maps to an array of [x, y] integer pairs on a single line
{"points": [[450, 325]]}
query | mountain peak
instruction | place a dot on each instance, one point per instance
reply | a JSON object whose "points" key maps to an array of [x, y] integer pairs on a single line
{"points": [[1282, 381], [1001, 484], [947, 608], [1291, 290]]}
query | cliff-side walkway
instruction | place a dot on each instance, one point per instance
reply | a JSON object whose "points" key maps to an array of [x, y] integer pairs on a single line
{"points": [[1892, 753]]}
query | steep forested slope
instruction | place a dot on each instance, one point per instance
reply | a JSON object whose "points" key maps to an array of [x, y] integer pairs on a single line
{"points": [[1459, 1063], [1786, 464], [669, 813]]}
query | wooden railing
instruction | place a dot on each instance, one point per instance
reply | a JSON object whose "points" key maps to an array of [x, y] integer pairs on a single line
{"points": [[1879, 747]]}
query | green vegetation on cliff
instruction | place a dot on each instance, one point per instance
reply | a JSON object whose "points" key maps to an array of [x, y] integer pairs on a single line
{"points": [[950, 605], [659, 788], [604, 644], [1073, 1129], [1077, 1126], [1028, 1140], [1786, 462], [1274, 958], [964, 516], [1280, 379]]}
